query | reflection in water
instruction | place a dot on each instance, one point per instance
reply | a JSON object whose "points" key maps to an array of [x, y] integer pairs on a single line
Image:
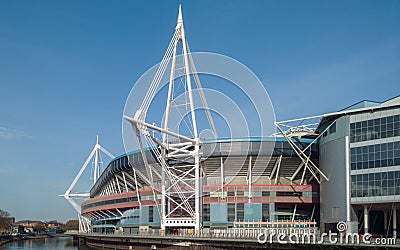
{"points": [[57, 243]]}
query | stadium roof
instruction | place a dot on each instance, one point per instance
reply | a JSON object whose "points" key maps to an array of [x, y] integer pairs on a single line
{"points": [[360, 107]]}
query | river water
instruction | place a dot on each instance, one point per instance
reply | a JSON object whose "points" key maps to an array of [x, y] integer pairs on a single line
{"points": [[57, 243]]}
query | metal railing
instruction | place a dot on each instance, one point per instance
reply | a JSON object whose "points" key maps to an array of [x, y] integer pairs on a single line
{"points": [[228, 233]]}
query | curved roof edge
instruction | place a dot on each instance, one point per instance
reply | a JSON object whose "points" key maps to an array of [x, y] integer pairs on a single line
{"points": [[255, 144], [227, 139]]}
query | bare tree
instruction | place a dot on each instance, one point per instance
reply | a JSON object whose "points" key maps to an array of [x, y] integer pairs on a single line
{"points": [[72, 225], [39, 227], [5, 221]]}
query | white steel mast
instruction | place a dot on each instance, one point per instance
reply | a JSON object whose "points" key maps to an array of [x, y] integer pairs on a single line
{"points": [[95, 153], [179, 158]]}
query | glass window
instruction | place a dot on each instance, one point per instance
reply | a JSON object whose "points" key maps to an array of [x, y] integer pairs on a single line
{"points": [[206, 212], [374, 129], [151, 214], [371, 148], [240, 212], [371, 156], [231, 212], [375, 156], [265, 193], [265, 212], [364, 124], [332, 128]]}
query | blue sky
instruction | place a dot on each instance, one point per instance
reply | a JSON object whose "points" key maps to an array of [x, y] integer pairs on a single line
{"points": [[66, 69]]}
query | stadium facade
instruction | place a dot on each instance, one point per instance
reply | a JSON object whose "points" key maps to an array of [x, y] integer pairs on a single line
{"points": [[121, 198], [312, 174]]}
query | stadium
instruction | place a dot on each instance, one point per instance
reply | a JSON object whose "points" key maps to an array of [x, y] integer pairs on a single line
{"points": [[281, 196], [310, 175]]}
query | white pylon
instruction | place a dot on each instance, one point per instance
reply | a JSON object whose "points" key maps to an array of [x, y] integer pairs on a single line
{"points": [[180, 181], [96, 174]]}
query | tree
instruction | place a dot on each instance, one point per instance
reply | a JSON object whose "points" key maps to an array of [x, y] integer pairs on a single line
{"points": [[5, 221], [72, 225], [62, 227], [39, 227]]}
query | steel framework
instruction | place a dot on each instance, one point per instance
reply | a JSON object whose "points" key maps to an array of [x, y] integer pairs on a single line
{"points": [[293, 130], [179, 175], [84, 223]]}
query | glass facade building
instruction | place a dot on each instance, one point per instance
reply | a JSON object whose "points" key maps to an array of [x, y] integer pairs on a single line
{"points": [[375, 154], [374, 129], [360, 151], [375, 184]]}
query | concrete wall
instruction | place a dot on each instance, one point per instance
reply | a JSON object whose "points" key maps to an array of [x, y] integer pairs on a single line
{"points": [[334, 201]]}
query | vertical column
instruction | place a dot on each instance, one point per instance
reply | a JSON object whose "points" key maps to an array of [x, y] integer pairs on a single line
{"points": [[394, 222], [96, 172], [250, 179], [222, 179], [366, 219], [197, 205], [197, 202], [272, 212], [348, 192], [163, 200], [385, 225]]}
